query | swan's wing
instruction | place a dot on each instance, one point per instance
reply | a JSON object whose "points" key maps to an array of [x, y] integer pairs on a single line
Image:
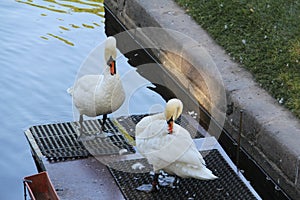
{"points": [[88, 83], [161, 149], [149, 141], [142, 128], [142, 125], [83, 93], [190, 153]]}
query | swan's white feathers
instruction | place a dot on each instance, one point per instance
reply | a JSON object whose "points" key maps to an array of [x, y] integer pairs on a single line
{"points": [[94, 96]]}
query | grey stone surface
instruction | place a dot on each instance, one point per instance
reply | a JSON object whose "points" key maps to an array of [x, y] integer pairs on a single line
{"points": [[83, 179], [271, 134]]}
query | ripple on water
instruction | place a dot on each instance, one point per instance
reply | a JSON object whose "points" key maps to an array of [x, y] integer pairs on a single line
{"points": [[36, 72]]}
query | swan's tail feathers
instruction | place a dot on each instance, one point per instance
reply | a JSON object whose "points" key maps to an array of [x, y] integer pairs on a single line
{"points": [[206, 174], [70, 91]]}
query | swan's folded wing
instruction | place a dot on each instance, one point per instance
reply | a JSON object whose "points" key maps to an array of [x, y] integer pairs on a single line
{"points": [[170, 148], [88, 83], [83, 93], [149, 126]]}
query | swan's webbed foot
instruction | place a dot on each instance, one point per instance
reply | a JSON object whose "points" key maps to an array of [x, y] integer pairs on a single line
{"points": [[175, 183], [81, 136], [150, 187]]}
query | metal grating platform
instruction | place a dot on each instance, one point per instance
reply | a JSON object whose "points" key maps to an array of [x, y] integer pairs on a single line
{"points": [[227, 186], [59, 141]]}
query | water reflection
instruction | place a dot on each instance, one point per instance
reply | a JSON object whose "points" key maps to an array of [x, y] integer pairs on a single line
{"points": [[60, 38], [70, 10], [38, 63], [69, 6]]}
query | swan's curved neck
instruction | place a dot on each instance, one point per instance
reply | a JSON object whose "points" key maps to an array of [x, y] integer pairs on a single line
{"points": [[172, 112], [110, 54]]}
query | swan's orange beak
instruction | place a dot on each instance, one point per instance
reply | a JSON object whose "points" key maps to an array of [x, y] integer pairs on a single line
{"points": [[170, 125], [112, 67]]}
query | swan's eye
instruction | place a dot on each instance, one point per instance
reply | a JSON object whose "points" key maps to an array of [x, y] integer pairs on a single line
{"points": [[110, 60]]}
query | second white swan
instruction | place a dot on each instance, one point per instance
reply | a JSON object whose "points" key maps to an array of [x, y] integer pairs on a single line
{"points": [[169, 147]]}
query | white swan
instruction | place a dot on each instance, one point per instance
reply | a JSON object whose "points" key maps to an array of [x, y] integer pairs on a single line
{"points": [[168, 146], [95, 95]]}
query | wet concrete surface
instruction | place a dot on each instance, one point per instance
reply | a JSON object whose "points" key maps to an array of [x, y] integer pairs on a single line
{"points": [[80, 179]]}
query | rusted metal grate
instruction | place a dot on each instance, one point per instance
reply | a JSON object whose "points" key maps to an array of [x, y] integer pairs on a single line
{"points": [[227, 186], [59, 141]]}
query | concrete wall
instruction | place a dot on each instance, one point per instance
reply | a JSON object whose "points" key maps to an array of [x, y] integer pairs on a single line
{"points": [[271, 134]]}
